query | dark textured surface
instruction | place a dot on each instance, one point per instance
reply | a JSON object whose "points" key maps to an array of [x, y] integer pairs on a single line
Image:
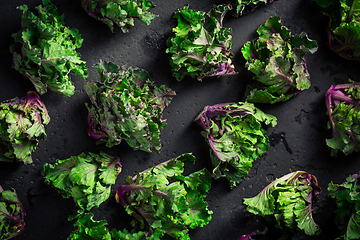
{"points": [[296, 143]]}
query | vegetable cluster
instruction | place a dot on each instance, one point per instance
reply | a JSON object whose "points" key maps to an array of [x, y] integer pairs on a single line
{"points": [[288, 200], [342, 103], [85, 178], [88, 228], [277, 60], [241, 7], [347, 197], [22, 127], [120, 13], [344, 27], [12, 214], [45, 50], [199, 51], [166, 203], [235, 134], [127, 105]]}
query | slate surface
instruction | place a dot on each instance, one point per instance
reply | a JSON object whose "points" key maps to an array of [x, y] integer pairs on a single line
{"points": [[296, 143]]}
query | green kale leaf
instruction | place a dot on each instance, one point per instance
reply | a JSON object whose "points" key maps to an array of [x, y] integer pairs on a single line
{"points": [[21, 127], [235, 134], [344, 27], [288, 201], [347, 197], [198, 51], [12, 214], [163, 201], [342, 103], [120, 13], [241, 7], [45, 50], [88, 228], [127, 105], [85, 178], [277, 60]]}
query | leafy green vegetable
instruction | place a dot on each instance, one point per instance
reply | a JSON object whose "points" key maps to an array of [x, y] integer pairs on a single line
{"points": [[289, 201], [344, 27], [21, 127], [342, 103], [163, 201], [88, 228], [12, 214], [278, 61], [85, 178], [241, 7], [126, 105], [236, 137], [198, 51], [45, 50], [120, 13], [157, 234], [347, 197]]}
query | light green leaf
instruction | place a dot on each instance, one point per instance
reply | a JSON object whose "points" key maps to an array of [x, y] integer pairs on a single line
{"points": [[45, 50], [198, 50], [277, 60], [85, 178]]}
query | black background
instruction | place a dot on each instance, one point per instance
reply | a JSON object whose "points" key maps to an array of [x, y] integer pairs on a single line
{"points": [[296, 143]]}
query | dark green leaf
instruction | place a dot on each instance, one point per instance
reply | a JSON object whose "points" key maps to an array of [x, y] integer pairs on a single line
{"points": [[277, 60], [342, 101], [347, 196], [126, 105], [344, 27], [12, 214]]}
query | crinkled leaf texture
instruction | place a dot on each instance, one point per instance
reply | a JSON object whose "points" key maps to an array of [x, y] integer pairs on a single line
{"points": [[88, 228], [157, 234], [197, 51], [162, 199], [120, 14], [12, 214], [277, 60], [126, 105], [45, 50], [347, 197], [87, 178], [236, 136], [344, 27], [22, 127], [289, 201], [342, 103], [242, 7]]}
